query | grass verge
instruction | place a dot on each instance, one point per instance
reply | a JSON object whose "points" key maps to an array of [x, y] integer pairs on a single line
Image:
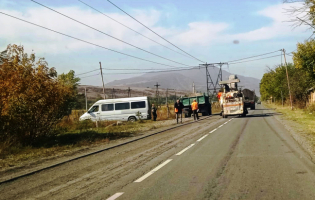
{"points": [[75, 136]]}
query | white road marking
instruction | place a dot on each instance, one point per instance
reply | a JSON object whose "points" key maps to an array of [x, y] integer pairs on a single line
{"points": [[179, 153], [202, 138], [152, 171], [220, 126], [213, 130], [226, 122], [115, 196]]}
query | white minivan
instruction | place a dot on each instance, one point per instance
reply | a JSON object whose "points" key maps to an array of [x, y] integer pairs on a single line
{"points": [[124, 109]]}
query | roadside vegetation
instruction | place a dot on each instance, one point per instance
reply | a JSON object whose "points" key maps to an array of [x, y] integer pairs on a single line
{"points": [[301, 74]]}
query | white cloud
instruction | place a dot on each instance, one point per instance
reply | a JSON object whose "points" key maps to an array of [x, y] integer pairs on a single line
{"points": [[200, 33], [44, 40], [196, 33], [279, 26]]}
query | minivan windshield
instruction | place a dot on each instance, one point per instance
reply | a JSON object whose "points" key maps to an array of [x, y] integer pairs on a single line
{"points": [[94, 109]]}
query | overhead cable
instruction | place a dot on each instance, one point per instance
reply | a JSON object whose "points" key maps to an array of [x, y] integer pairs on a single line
{"points": [[126, 69], [254, 60], [252, 56], [131, 28], [154, 32], [88, 42], [109, 35], [89, 76], [151, 71], [87, 72]]}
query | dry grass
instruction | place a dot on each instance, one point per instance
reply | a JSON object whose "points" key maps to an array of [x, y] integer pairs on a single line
{"points": [[216, 108], [162, 113], [74, 135]]}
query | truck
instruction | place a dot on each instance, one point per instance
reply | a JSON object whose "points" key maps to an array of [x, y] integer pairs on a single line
{"points": [[249, 98], [204, 105], [232, 99]]}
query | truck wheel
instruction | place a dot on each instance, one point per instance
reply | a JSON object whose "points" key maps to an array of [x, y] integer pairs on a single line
{"points": [[132, 119]]}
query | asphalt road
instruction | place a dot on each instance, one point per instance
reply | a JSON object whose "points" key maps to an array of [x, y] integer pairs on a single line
{"points": [[234, 158]]}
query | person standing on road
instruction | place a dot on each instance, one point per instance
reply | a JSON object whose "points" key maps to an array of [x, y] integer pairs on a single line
{"points": [[194, 108], [178, 107], [154, 109]]}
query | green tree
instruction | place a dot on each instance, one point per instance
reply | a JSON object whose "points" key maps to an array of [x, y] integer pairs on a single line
{"points": [[304, 57], [274, 83]]}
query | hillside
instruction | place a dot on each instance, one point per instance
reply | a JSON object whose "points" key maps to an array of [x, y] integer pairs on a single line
{"points": [[182, 80]]}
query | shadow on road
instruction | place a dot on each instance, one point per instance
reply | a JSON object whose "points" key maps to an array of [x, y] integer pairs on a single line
{"points": [[264, 109], [262, 115]]}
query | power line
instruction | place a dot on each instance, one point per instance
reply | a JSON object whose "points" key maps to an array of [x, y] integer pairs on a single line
{"points": [[254, 60], [89, 76], [148, 71], [128, 69], [183, 69], [88, 42], [130, 28], [109, 35], [88, 72], [154, 32], [253, 56]]}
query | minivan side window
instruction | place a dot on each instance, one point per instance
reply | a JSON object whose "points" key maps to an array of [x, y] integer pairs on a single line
{"points": [[94, 109], [107, 107], [122, 106], [138, 104]]}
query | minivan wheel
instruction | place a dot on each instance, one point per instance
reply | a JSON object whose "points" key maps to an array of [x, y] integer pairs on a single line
{"points": [[132, 119]]}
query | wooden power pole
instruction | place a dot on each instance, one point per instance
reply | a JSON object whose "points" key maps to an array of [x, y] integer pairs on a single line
{"points": [[286, 69], [85, 99], [168, 110], [102, 80]]}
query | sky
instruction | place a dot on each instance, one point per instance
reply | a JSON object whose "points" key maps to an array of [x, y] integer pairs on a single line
{"points": [[206, 29]]}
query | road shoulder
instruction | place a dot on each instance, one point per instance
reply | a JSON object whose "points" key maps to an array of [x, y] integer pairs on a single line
{"points": [[298, 132]]}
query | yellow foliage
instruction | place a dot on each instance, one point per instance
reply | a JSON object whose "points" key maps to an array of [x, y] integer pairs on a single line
{"points": [[32, 100]]}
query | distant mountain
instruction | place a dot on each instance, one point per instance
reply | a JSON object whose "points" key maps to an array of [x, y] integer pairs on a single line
{"points": [[182, 80]]}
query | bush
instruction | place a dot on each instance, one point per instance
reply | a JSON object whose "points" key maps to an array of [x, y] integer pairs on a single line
{"points": [[311, 108], [33, 98]]}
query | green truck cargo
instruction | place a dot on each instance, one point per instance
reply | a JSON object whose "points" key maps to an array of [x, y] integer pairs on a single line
{"points": [[204, 105]]}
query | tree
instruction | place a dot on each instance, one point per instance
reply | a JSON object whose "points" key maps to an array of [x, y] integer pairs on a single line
{"points": [[304, 13], [274, 83], [33, 99], [304, 58]]}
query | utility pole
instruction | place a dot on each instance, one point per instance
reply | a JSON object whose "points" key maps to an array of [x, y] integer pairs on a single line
{"points": [[194, 89], [113, 94], [282, 97], [286, 69], [211, 86], [175, 96], [129, 92], [85, 98], [168, 110], [157, 94], [219, 78], [102, 80]]}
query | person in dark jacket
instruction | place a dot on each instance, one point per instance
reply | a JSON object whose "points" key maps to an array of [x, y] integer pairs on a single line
{"points": [[154, 109], [178, 107]]}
